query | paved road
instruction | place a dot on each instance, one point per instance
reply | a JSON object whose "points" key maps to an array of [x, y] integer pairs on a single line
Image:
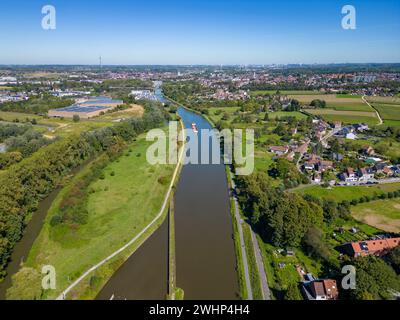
{"points": [[239, 223], [63, 295], [376, 111]]}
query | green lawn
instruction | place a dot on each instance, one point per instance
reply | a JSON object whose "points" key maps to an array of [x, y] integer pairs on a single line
{"points": [[120, 206], [382, 214], [348, 193]]}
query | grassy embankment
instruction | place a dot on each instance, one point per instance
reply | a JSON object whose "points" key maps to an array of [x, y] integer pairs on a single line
{"points": [[252, 263], [120, 206], [238, 245], [174, 293]]}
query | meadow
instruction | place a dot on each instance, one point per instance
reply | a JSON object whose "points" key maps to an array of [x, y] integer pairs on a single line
{"points": [[388, 111], [382, 214], [349, 192], [126, 197], [346, 117]]}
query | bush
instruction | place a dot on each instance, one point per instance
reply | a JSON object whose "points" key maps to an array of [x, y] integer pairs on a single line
{"points": [[163, 180], [55, 220], [112, 174]]}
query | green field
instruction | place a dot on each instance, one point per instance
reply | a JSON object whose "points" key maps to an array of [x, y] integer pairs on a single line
{"points": [[347, 117], [119, 206], [281, 114], [384, 100], [349, 106], [284, 92], [392, 123], [388, 111], [12, 116], [349, 192], [382, 214]]}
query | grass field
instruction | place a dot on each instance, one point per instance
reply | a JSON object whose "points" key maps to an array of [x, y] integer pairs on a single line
{"points": [[346, 117], [133, 111], [384, 100], [11, 116], [119, 206], [287, 92], [329, 98], [363, 107], [348, 193], [281, 114], [392, 123], [388, 111], [382, 214]]}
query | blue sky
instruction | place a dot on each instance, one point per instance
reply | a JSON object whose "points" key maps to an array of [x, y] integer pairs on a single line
{"points": [[199, 32]]}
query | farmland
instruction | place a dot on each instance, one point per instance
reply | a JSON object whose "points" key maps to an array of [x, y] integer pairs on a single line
{"points": [[345, 108], [382, 214], [388, 111]]}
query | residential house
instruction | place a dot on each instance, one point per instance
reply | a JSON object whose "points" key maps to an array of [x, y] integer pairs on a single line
{"points": [[337, 125], [368, 151], [351, 136], [302, 149], [279, 150], [320, 290], [317, 178], [361, 127], [365, 175], [349, 176], [324, 165], [379, 167], [376, 247], [387, 171]]}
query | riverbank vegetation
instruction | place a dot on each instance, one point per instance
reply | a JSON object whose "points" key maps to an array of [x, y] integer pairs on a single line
{"points": [[23, 185], [100, 210]]}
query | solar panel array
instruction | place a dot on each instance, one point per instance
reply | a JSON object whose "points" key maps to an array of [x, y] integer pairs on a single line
{"points": [[81, 109]]}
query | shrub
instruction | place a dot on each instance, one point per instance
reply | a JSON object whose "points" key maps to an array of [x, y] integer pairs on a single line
{"points": [[55, 220]]}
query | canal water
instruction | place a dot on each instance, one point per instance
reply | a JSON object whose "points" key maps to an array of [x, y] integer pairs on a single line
{"points": [[205, 256]]}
